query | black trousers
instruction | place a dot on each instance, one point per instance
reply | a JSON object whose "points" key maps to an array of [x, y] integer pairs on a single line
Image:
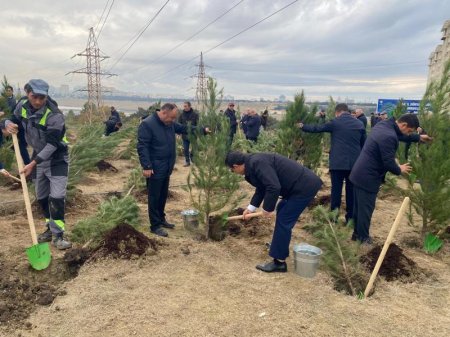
{"points": [[186, 152], [364, 205], [337, 181], [157, 190]]}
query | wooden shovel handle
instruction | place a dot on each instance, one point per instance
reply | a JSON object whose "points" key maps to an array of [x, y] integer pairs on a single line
{"points": [[26, 196], [387, 243], [241, 217], [12, 177]]}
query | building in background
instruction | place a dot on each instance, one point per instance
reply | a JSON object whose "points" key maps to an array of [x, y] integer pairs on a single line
{"points": [[440, 55]]}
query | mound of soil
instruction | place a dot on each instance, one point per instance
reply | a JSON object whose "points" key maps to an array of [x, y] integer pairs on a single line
{"points": [[396, 265], [105, 166], [321, 200], [124, 241]]}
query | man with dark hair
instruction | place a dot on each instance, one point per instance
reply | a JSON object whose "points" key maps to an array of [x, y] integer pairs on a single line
{"points": [[347, 139], [157, 154], [11, 100], [274, 175], [114, 122], [187, 117], [230, 113], [44, 128], [376, 159], [322, 115], [376, 119], [264, 118]]}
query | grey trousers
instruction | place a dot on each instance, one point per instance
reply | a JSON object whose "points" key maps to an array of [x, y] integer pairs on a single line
{"points": [[51, 186]]}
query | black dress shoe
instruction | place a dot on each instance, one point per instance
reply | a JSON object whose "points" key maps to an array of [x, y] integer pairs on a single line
{"points": [[165, 224], [160, 232], [272, 267]]}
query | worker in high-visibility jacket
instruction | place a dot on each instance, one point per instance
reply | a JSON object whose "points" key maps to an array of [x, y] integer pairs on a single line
{"points": [[44, 127]]}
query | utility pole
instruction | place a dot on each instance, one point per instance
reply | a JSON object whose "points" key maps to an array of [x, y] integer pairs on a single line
{"points": [[94, 73], [201, 92]]}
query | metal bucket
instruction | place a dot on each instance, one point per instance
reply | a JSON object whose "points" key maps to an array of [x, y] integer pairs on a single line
{"points": [[306, 259], [190, 219]]}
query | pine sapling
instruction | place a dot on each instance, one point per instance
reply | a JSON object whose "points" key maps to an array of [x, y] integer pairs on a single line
{"points": [[212, 187], [340, 256]]}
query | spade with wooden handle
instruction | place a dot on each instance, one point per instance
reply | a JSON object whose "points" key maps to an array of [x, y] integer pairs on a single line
{"points": [[241, 217], [38, 254], [9, 175], [387, 243]]}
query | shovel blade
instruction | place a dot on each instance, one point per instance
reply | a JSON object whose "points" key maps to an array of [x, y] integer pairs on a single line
{"points": [[39, 256]]}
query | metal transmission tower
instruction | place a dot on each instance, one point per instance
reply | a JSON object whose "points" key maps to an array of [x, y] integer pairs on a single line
{"points": [[94, 73], [201, 92]]}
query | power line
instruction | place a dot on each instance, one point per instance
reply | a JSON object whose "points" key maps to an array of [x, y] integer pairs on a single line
{"points": [[106, 18], [140, 31], [140, 34], [101, 16], [227, 40], [193, 35], [250, 27]]}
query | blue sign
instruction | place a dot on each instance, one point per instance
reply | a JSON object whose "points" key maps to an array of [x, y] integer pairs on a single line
{"points": [[389, 105]]}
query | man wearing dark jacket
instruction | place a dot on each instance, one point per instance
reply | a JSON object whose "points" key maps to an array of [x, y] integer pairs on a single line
{"points": [[187, 117], [114, 122], [347, 139], [157, 153], [244, 119], [230, 113], [376, 159], [11, 100], [359, 115], [253, 125], [274, 175]]}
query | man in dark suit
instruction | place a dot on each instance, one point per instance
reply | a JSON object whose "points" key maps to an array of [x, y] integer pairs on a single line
{"points": [[187, 117], [253, 125], [157, 153], [376, 159], [347, 139], [274, 175], [230, 113], [359, 115]]}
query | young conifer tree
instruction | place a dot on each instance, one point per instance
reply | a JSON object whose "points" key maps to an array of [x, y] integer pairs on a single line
{"points": [[295, 144], [212, 186], [431, 162], [340, 257]]}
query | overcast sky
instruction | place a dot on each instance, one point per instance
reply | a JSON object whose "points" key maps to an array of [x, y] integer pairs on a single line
{"points": [[357, 49]]}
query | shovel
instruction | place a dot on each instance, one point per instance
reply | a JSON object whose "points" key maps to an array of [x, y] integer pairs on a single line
{"points": [[9, 175], [241, 217], [38, 254]]}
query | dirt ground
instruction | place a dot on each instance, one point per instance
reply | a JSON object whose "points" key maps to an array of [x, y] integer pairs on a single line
{"points": [[194, 288]]}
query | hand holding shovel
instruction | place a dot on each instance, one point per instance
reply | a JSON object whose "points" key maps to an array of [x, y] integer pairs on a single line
{"points": [[38, 254]]}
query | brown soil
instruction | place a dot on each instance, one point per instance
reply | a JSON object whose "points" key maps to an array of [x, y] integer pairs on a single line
{"points": [[396, 265], [23, 288], [213, 289], [124, 241], [105, 166], [321, 200]]}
